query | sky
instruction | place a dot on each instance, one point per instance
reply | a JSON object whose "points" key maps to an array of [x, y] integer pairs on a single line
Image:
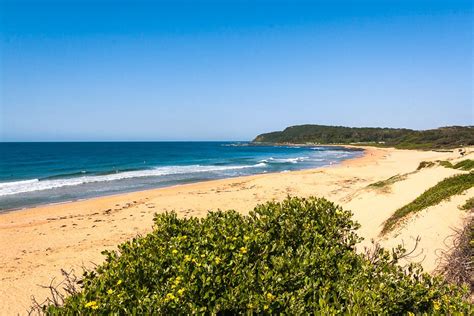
{"points": [[229, 70]]}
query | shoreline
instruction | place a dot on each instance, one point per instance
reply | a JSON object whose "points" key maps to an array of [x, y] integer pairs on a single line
{"points": [[348, 147], [38, 242]]}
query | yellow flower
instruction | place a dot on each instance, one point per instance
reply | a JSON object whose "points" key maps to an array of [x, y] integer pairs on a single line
{"points": [[265, 307], [181, 292], [410, 314], [119, 282], [170, 297], [270, 296], [217, 260], [246, 238], [110, 291], [174, 251], [187, 258], [243, 250], [178, 280], [436, 305], [92, 304]]}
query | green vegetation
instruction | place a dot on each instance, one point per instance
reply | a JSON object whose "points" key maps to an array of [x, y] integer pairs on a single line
{"points": [[445, 137], [469, 205], [425, 164], [295, 257], [446, 164], [385, 183], [466, 164], [443, 190]]}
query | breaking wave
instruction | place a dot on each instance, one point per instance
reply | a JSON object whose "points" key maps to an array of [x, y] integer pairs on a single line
{"points": [[9, 188]]}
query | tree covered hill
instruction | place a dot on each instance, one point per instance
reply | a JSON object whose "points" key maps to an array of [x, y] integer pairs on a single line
{"points": [[444, 137]]}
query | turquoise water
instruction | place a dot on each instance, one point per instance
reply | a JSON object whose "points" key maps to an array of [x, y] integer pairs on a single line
{"points": [[40, 173]]}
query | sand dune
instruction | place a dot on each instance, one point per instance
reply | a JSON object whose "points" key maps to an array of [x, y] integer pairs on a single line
{"points": [[38, 242]]}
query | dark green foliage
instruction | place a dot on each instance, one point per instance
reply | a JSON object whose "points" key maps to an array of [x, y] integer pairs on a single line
{"points": [[296, 257], [425, 164], [442, 190], [445, 137]]}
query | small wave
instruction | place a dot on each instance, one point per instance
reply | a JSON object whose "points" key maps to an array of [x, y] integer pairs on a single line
{"points": [[283, 160], [65, 175], [10, 188], [235, 145]]}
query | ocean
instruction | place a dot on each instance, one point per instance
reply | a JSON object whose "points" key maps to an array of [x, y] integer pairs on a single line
{"points": [[32, 174]]}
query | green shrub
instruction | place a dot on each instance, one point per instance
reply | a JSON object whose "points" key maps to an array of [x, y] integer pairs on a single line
{"points": [[442, 190], [295, 257]]}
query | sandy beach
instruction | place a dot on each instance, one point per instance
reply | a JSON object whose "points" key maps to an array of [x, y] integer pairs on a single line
{"points": [[38, 242]]}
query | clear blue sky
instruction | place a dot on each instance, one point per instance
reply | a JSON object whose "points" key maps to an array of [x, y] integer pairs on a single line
{"points": [[228, 70]]}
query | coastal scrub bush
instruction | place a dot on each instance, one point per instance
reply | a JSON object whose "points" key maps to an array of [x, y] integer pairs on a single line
{"points": [[295, 257], [442, 190]]}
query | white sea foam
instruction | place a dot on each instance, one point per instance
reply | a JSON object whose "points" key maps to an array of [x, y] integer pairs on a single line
{"points": [[284, 160], [10, 188], [17, 183]]}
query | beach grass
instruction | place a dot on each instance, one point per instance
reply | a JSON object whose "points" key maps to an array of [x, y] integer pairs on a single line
{"points": [[467, 164], [387, 182], [469, 205], [443, 190], [425, 164]]}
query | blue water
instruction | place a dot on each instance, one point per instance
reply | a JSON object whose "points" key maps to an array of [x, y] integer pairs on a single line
{"points": [[40, 173]]}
